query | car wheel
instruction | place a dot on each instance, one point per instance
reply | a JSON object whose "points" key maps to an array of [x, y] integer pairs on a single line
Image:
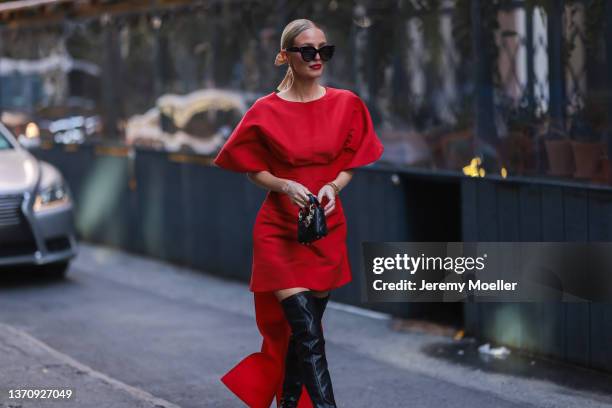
{"points": [[56, 270]]}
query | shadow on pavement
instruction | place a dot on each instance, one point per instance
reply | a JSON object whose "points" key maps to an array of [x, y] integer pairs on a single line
{"points": [[524, 365]]}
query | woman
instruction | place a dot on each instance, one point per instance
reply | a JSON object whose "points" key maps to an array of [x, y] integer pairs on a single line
{"points": [[303, 140]]}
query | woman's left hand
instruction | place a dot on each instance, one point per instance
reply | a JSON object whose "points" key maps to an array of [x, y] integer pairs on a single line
{"points": [[329, 192]]}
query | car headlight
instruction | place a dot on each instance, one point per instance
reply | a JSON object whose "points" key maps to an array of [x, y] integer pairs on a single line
{"points": [[52, 196]]}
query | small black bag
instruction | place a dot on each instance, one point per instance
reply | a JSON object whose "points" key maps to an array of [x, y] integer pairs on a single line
{"points": [[311, 221]]}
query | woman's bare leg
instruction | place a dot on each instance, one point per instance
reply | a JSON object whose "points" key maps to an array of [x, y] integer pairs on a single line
{"points": [[284, 293]]}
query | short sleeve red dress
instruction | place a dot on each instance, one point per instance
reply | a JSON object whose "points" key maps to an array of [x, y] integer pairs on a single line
{"points": [[309, 142]]}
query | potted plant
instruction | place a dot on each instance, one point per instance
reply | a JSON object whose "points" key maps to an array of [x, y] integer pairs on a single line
{"points": [[517, 151], [588, 149], [559, 150]]}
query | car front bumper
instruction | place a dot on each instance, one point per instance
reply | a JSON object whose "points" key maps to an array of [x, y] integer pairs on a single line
{"points": [[35, 238]]}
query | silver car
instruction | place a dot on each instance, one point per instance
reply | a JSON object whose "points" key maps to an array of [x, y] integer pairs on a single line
{"points": [[36, 210]]}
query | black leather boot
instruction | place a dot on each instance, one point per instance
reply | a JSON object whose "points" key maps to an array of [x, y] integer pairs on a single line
{"points": [[303, 316], [292, 385], [321, 304]]}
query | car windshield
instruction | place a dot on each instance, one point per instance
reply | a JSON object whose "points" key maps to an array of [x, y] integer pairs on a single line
{"points": [[4, 143]]}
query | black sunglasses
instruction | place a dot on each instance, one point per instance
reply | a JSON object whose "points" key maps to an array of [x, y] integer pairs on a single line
{"points": [[309, 52]]}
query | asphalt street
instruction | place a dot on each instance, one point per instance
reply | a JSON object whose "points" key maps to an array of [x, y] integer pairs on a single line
{"points": [[137, 332]]}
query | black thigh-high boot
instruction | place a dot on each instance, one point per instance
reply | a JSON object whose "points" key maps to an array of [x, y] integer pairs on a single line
{"points": [[302, 313], [292, 385]]}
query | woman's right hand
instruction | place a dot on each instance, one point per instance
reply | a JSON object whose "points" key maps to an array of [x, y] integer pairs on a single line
{"points": [[297, 192]]}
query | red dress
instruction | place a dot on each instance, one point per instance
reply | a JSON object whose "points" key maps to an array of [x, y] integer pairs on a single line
{"points": [[309, 142]]}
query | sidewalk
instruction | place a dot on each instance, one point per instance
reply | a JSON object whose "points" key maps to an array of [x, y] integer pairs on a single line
{"points": [[425, 366], [29, 364], [173, 332]]}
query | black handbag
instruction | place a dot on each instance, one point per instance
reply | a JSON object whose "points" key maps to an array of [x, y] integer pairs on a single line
{"points": [[311, 221]]}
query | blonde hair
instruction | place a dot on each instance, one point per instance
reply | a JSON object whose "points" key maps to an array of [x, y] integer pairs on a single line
{"points": [[292, 30]]}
